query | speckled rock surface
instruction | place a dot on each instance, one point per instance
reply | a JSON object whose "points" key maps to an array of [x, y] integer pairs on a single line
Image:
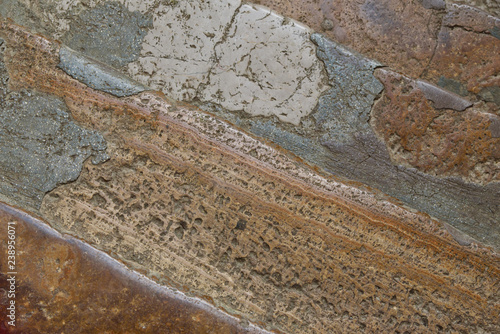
{"points": [[179, 51], [248, 59], [109, 33], [421, 39], [97, 75], [40, 145], [438, 141], [490, 6], [194, 203], [467, 52], [382, 30], [344, 110], [65, 286], [266, 66], [338, 137]]}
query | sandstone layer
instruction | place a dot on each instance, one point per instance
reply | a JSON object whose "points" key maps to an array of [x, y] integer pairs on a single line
{"points": [[192, 202]]}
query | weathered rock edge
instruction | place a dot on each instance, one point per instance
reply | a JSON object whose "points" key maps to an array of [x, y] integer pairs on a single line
{"points": [[279, 234], [58, 273]]}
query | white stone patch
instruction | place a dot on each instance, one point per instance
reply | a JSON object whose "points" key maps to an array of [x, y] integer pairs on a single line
{"points": [[177, 54], [266, 66], [142, 6]]}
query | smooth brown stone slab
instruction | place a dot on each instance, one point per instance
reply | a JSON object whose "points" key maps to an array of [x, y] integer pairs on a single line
{"points": [[419, 133], [193, 202], [65, 286]]}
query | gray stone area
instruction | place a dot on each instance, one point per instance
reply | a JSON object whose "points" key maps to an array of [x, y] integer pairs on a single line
{"points": [[453, 86], [109, 33], [40, 146], [337, 136], [443, 99], [20, 14], [490, 6], [344, 110], [97, 75]]}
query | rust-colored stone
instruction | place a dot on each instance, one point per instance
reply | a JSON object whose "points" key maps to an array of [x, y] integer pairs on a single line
{"points": [[65, 286], [383, 30], [442, 142], [467, 55], [470, 18], [190, 201], [421, 39]]}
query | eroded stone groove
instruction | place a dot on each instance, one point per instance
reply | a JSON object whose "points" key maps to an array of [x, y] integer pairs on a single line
{"points": [[66, 286], [192, 202]]}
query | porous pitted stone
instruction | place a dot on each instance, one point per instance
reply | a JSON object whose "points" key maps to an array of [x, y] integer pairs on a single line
{"points": [[193, 202], [441, 142], [65, 286]]}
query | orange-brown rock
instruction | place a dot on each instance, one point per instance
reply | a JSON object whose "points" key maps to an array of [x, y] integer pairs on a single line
{"points": [[454, 45], [64, 286], [192, 202], [467, 52], [439, 141], [383, 30]]}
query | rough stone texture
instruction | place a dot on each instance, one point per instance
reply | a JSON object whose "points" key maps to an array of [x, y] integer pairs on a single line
{"points": [[97, 75], [40, 145], [109, 32], [338, 138], [466, 52], [191, 201], [178, 52], [441, 98], [490, 6], [438, 142], [248, 59], [457, 46], [21, 14], [344, 110], [266, 66], [383, 30], [65, 286]]}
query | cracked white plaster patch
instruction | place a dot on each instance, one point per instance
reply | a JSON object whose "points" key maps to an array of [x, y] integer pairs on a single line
{"points": [[266, 66], [177, 54]]}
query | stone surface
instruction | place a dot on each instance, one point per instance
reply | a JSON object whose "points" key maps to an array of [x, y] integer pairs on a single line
{"points": [[457, 44], [338, 138], [97, 75], [248, 59], [109, 32], [193, 202], [382, 30], [344, 110], [490, 6], [441, 98], [466, 52], [65, 286], [265, 66], [178, 52], [40, 144], [438, 142]]}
